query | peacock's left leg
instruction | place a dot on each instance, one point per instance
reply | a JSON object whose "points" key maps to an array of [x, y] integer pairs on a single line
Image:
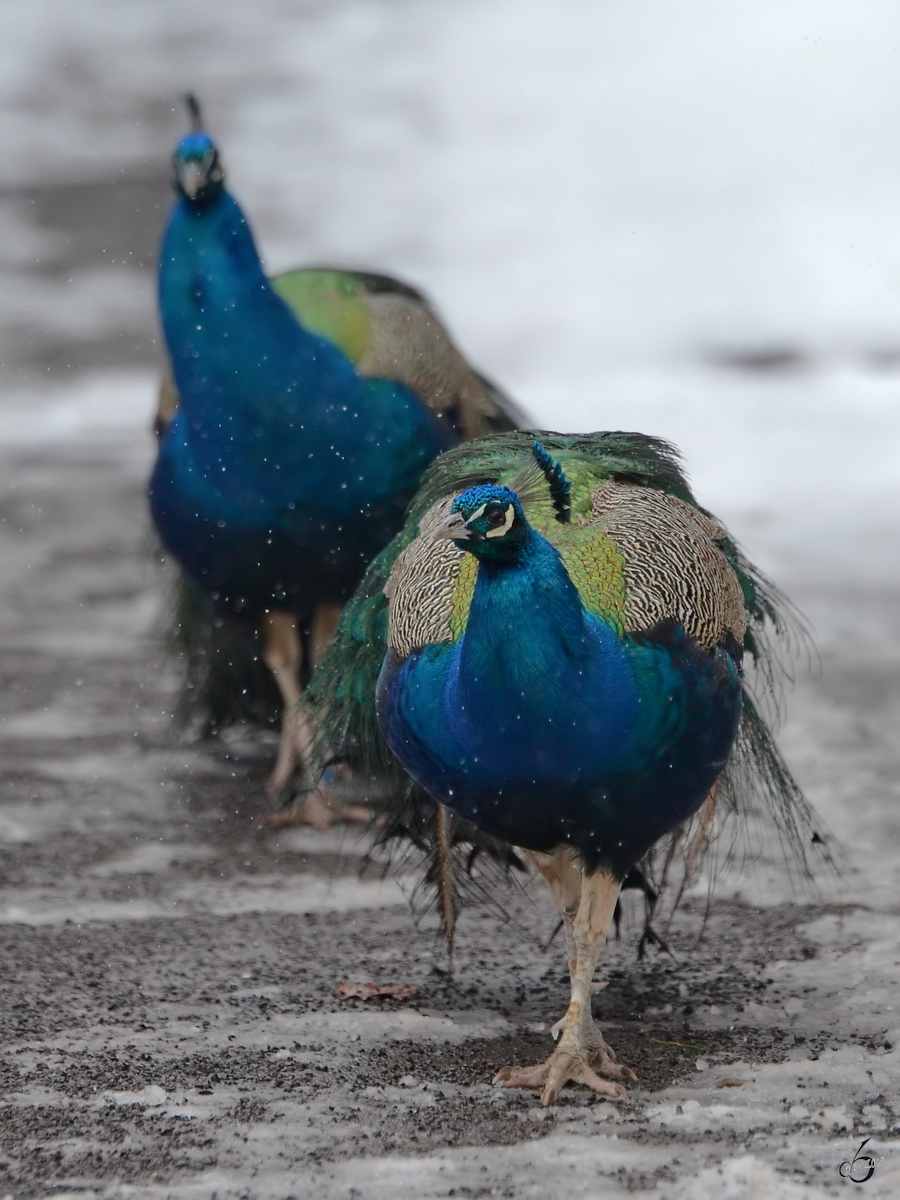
{"points": [[563, 874], [581, 1051], [282, 654]]}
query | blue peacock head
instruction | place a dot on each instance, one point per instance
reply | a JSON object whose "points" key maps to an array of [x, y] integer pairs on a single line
{"points": [[197, 172], [488, 521]]}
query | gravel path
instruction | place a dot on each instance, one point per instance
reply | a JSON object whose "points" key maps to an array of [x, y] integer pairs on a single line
{"points": [[621, 252], [169, 1019]]}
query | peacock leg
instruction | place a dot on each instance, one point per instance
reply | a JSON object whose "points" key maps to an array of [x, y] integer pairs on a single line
{"points": [[562, 871], [321, 630], [580, 1044], [601, 1055], [282, 654]]}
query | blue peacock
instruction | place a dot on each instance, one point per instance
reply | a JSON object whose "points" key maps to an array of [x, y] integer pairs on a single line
{"points": [[552, 649], [295, 424]]}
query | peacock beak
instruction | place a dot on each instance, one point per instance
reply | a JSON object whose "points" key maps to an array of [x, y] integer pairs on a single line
{"points": [[192, 177], [453, 527]]}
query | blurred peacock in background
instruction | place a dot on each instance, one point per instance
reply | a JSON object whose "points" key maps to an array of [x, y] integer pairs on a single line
{"points": [[294, 426], [552, 651]]}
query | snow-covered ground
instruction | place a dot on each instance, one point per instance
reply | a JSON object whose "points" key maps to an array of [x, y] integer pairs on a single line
{"points": [[677, 216]]}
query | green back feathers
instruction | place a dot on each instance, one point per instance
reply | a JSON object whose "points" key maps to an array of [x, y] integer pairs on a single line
{"points": [[328, 303], [587, 459], [335, 302]]}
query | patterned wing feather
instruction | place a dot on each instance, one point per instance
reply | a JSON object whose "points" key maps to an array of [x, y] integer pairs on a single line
{"points": [[408, 343], [674, 566], [642, 557], [421, 587]]}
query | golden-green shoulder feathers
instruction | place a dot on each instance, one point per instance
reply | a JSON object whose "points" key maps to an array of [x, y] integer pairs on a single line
{"points": [[637, 555]]}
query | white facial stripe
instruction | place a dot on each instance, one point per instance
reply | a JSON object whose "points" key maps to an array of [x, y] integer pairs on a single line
{"points": [[477, 513], [508, 517]]}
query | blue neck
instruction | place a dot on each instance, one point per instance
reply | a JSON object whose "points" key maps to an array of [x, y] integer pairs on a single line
{"points": [[250, 377], [543, 726], [527, 660], [226, 327], [526, 627]]}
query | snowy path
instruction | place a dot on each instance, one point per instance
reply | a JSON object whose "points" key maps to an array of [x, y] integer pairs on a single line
{"points": [[654, 216]]}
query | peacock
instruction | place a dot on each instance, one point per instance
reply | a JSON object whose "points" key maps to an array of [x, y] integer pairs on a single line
{"points": [[552, 650], [294, 425]]}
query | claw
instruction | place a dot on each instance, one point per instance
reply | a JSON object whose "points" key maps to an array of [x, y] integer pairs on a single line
{"points": [[581, 1061], [562, 1067]]}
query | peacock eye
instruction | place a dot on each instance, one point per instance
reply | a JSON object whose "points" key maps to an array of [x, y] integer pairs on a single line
{"points": [[496, 517]]}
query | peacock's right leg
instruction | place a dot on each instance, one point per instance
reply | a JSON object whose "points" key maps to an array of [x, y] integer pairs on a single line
{"points": [[581, 1053], [601, 1055]]}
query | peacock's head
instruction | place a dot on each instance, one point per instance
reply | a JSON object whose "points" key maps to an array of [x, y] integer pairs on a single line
{"points": [[197, 172], [488, 521]]}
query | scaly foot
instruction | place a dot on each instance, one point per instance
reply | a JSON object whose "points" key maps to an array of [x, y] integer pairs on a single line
{"points": [[580, 1060], [601, 1055], [556, 1030], [564, 1066]]}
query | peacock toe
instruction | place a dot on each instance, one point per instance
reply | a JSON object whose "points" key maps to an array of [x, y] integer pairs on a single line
{"points": [[550, 1077]]}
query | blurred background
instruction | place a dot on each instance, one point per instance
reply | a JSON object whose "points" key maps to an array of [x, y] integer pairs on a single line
{"points": [[680, 218]]}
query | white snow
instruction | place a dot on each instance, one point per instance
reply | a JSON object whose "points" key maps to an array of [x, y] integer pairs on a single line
{"points": [[253, 894], [151, 1096], [606, 200], [100, 404]]}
